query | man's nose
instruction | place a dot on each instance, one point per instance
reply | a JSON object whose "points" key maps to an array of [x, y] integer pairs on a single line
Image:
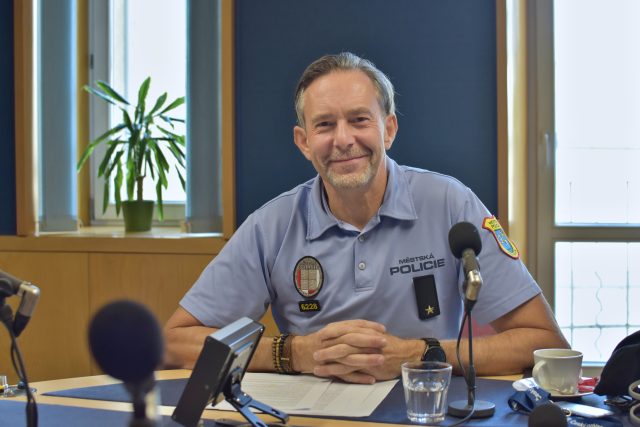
{"points": [[344, 134]]}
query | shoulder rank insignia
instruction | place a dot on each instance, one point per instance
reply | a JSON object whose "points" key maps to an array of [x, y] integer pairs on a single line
{"points": [[505, 245]]}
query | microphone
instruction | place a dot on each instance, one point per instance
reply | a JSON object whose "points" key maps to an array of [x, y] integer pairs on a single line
{"points": [[547, 415], [466, 245], [126, 342], [29, 294]]}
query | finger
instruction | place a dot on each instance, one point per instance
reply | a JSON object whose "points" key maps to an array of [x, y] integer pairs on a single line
{"points": [[341, 351], [357, 339], [358, 378], [333, 370], [336, 329], [363, 360]]}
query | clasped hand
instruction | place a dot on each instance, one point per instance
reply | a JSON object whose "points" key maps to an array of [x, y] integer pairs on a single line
{"points": [[357, 351]]}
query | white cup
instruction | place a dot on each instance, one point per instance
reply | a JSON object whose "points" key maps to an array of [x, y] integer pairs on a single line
{"points": [[557, 369]]}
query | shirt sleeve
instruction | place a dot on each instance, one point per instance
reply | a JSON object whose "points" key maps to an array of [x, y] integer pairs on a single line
{"points": [[235, 283], [507, 283]]}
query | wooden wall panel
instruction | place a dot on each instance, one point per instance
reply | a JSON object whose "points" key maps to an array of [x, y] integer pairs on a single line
{"points": [[156, 280], [74, 286], [54, 344]]}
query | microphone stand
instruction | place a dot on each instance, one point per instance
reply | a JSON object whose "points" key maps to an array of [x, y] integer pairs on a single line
{"points": [[470, 408], [6, 317], [139, 393]]}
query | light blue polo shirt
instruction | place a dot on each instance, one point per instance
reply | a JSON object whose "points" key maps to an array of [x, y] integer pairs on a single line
{"points": [[367, 274]]}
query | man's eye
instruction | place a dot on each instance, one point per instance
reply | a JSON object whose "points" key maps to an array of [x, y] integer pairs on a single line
{"points": [[361, 119], [323, 124]]}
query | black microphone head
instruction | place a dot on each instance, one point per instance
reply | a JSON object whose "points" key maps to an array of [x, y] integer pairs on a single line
{"points": [[464, 235], [547, 415], [126, 341]]}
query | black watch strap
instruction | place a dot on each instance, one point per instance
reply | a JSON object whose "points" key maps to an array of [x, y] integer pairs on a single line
{"points": [[433, 351]]}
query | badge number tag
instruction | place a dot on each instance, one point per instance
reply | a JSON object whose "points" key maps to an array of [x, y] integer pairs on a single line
{"points": [[309, 305], [426, 296]]}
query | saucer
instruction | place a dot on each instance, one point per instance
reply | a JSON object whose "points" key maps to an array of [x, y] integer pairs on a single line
{"points": [[527, 383], [557, 395]]}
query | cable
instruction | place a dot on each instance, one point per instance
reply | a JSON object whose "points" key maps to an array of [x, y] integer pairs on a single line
{"points": [[464, 372], [18, 365]]}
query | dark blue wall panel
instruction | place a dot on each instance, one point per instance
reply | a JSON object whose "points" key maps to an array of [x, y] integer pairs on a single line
{"points": [[7, 122], [440, 55]]}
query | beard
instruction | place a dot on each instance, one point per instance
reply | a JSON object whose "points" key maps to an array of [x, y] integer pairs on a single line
{"points": [[355, 179]]}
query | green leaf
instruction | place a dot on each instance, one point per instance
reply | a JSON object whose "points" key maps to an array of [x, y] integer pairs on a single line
{"points": [[176, 103], [118, 187], [142, 97], [105, 196], [116, 162], [100, 94], [93, 144], [181, 177], [170, 134], [159, 200], [127, 122], [107, 159], [150, 164], [111, 92], [163, 166], [177, 152], [131, 179], [159, 102]]}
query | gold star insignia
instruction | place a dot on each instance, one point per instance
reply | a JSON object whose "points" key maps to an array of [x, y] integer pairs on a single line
{"points": [[429, 310]]}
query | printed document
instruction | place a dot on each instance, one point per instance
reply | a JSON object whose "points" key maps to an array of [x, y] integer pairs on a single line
{"points": [[309, 395]]}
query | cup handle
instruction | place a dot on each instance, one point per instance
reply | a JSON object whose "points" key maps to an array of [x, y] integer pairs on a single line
{"points": [[536, 373]]}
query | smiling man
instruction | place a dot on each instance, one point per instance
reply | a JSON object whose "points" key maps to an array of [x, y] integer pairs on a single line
{"points": [[356, 263]]}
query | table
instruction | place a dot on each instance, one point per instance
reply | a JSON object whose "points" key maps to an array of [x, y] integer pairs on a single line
{"points": [[294, 421], [97, 380]]}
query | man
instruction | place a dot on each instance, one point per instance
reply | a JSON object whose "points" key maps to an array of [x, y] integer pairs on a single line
{"points": [[355, 263]]}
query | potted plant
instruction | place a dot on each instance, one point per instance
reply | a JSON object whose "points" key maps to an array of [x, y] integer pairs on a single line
{"points": [[136, 149]]}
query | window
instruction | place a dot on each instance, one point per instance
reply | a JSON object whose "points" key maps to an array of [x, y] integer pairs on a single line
{"points": [[196, 67], [587, 143], [131, 40]]}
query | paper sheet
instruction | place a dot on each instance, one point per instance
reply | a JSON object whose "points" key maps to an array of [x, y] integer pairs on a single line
{"points": [[309, 395]]}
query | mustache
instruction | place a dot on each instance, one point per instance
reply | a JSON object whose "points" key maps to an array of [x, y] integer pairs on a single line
{"points": [[346, 155]]}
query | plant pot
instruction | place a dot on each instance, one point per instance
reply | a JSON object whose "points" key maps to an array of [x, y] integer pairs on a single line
{"points": [[138, 215]]}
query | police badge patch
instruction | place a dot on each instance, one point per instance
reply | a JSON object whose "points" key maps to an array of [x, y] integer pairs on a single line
{"points": [[308, 278], [506, 245]]}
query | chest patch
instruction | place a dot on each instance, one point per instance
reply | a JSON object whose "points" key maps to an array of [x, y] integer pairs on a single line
{"points": [[308, 277]]}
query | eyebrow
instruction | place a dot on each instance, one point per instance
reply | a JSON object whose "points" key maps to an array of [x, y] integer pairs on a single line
{"points": [[358, 111], [321, 118], [328, 116]]}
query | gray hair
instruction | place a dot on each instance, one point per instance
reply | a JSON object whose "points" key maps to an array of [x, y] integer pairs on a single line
{"points": [[345, 61]]}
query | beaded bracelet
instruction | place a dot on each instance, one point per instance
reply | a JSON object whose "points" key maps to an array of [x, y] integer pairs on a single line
{"points": [[281, 353]]}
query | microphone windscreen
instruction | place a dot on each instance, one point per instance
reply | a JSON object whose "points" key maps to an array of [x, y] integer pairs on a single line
{"points": [[464, 235], [547, 415], [126, 341]]}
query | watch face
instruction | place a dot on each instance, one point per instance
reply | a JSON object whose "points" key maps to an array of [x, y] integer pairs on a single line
{"points": [[435, 354]]}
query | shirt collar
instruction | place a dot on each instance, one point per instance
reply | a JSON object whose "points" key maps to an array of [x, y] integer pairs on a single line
{"points": [[397, 202]]}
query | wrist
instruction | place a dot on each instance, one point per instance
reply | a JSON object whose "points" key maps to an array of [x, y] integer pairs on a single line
{"points": [[419, 348], [433, 351], [297, 355], [281, 352]]}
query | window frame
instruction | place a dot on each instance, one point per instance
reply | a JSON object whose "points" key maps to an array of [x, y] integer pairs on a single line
{"points": [[544, 232], [26, 132], [99, 68]]}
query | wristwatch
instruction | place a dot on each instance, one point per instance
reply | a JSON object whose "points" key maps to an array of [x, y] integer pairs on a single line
{"points": [[433, 352]]}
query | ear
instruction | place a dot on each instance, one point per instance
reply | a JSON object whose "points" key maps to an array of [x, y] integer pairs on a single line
{"points": [[300, 139], [390, 130]]}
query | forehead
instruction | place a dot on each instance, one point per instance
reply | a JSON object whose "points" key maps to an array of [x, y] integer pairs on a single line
{"points": [[340, 88]]}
